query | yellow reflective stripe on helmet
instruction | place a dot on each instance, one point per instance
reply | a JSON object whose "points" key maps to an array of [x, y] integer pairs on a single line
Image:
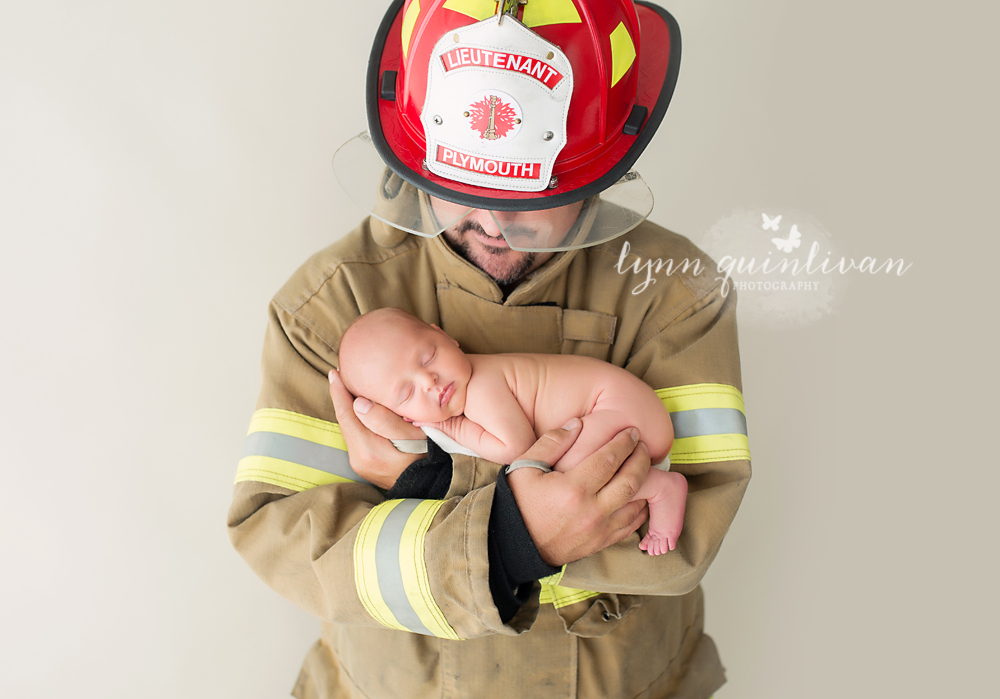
{"points": [[294, 451], [541, 12], [409, 20], [709, 423], [390, 570], [559, 596], [622, 53], [477, 9], [537, 13]]}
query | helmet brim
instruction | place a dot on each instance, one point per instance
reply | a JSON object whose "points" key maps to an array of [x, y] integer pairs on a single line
{"points": [[388, 197]]}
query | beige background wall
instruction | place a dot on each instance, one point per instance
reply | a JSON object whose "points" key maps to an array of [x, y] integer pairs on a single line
{"points": [[165, 166]]}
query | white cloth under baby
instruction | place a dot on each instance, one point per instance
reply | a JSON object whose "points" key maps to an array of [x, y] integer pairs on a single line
{"points": [[447, 443], [452, 447]]}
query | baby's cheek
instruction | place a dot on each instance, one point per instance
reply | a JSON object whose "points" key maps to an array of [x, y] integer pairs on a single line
{"points": [[412, 414]]}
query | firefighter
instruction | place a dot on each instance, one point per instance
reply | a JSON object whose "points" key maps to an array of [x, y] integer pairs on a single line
{"points": [[497, 171]]}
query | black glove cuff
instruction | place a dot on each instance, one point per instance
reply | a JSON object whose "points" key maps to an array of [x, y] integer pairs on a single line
{"points": [[428, 478], [515, 563]]}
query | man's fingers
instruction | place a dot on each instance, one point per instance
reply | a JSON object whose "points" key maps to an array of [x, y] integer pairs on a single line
{"points": [[343, 402], [625, 484], [551, 446], [385, 423], [627, 519], [594, 472]]}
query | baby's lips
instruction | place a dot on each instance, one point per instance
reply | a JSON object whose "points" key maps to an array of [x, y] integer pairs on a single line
{"points": [[444, 394]]}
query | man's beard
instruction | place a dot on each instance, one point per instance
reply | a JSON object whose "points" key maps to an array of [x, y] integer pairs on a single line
{"points": [[482, 255]]}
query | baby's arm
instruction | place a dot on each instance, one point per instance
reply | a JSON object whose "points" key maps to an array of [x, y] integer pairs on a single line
{"points": [[490, 399]]}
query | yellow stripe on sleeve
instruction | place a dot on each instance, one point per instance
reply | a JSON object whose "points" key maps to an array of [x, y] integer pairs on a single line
{"points": [[705, 449], [709, 422], [559, 596], [390, 570], [265, 469], [365, 566], [701, 395], [413, 568], [294, 451], [297, 425]]}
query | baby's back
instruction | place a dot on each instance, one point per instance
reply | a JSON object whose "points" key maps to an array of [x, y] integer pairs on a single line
{"points": [[552, 388]]}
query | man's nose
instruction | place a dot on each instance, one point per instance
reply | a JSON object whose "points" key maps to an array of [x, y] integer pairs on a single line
{"points": [[505, 218], [489, 225]]}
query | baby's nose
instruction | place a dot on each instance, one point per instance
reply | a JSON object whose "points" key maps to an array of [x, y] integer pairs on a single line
{"points": [[429, 380]]}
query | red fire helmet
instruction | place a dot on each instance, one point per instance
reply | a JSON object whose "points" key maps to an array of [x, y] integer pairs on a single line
{"points": [[512, 106]]}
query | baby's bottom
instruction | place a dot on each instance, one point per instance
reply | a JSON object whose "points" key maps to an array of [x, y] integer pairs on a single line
{"points": [[664, 491]]}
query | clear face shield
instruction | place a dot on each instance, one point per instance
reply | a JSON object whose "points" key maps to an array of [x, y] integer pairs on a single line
{"points": [[386, 196]]}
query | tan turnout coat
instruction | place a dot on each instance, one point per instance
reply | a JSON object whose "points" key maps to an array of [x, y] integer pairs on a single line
{"points": [[398, 583]]}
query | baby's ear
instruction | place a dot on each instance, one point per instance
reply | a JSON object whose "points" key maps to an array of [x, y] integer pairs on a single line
{"points": [[443, 332]]}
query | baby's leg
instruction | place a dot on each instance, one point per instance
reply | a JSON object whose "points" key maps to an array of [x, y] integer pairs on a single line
{"points": [[666, 493]]}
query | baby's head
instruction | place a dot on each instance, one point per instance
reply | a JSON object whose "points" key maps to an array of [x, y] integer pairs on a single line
{"points": [[397, 360]]}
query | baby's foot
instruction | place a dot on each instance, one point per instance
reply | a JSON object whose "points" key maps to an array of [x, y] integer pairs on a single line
{"points": [[666, 513], [656, 543]]}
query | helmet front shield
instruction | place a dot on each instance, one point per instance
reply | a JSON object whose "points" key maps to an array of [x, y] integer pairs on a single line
{"points": [[386, 196]]}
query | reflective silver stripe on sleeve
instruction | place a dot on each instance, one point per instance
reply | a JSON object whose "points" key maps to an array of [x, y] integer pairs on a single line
{"points": [[302, 452], [390, 577], [707, 421]]}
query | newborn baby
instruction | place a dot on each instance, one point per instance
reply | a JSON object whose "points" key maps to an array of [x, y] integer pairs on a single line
{"points": [[497, 405]]}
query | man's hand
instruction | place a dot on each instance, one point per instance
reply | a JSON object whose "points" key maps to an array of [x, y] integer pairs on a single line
{"points": [[574, 514], [367, 428]]}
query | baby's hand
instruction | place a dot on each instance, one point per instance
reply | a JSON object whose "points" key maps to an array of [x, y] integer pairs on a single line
{"points": [[451, 427]]}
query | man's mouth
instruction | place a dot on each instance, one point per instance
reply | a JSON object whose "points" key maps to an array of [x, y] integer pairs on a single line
{"points": [[491, 241], [446, 394]]}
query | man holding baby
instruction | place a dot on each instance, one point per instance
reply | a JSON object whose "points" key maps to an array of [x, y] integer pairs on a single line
{"points": [[441, 574]]}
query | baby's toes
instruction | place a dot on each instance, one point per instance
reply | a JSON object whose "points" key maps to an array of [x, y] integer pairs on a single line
{"points": [[652, 544]]}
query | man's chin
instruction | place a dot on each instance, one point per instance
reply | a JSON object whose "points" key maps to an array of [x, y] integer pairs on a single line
{"points": [[506, 269], [504, 265]]}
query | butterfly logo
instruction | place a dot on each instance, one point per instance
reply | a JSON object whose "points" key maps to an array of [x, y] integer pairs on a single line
{"points": [[771, 223], [788, 244]]}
